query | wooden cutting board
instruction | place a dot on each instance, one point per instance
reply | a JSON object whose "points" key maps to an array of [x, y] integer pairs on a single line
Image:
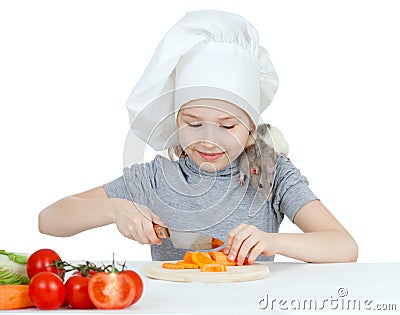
{"points": [[256, 271]]}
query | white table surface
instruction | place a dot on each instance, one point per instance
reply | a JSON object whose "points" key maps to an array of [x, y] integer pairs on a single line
{"points": [[291, 288]]}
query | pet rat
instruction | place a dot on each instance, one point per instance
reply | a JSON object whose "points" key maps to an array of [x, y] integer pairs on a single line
{"points": [[257, 161]]}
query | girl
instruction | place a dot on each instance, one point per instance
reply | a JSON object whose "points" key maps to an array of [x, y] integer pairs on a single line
{"points": [[201, 97]]}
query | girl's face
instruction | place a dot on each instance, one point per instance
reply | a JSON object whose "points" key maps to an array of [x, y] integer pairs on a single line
{"points": [[213, 132]]}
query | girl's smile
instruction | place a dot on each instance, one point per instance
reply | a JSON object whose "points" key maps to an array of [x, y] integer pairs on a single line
{"points": [[210, 156]]}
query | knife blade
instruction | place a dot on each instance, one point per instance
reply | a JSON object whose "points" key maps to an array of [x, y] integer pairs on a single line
{"points": [[187, 240]]}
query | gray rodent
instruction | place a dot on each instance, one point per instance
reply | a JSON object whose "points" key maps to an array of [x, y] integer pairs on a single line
{"points": [[257, 161]]}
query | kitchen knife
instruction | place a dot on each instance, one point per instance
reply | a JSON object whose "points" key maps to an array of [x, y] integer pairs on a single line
{"points": [[187, 240]]}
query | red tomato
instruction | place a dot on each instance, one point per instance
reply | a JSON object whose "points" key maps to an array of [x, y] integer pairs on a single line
{"points": [[111, 290], [47, 291], [41, 261], [77, 292], [138, 283]]}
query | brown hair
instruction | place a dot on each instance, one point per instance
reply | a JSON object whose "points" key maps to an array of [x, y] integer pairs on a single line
{"points": [[176, 152]]}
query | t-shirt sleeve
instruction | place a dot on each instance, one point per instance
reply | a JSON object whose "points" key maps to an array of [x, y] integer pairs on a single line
{"points": [[291, 190], [135, 184]]}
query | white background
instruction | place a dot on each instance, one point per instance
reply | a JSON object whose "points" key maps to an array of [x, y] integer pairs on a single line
{"points": [[67, 68]]}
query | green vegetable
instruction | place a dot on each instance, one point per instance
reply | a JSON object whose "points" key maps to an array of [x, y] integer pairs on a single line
{"points": [[13, 268]]}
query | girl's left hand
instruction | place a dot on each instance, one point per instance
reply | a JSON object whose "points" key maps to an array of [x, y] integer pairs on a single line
{"points": [[249, 241]]}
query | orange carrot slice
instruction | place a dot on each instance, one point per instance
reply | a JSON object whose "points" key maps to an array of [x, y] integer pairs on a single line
{"points": [[207, 254], [187, 265], [215, 243], [202, 259], [213, 268], [169, 265], [222, 258], [14, 297], [188, 257]]}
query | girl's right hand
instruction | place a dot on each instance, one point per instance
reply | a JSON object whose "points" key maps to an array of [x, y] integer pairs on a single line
{"points": [[135, 221]]}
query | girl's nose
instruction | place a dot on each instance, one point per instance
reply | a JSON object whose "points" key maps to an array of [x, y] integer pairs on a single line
{"points": [[210, 136], [208, 144]]}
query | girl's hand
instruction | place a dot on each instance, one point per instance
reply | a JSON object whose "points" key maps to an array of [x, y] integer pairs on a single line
{"points": [[135, 221], [249, 241]]}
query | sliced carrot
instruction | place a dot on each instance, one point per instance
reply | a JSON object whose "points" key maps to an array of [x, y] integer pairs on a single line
{"points": [[213, 268], [14, 297], [188, 257], [207, 254], [169, 265], [222, 258], [215, 243], [202, 259], [187, 265]]}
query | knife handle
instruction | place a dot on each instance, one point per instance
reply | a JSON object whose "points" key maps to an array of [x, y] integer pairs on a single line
{"points": [[161, 231]]}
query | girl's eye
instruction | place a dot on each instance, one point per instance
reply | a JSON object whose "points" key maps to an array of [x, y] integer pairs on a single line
{"points": [[228, 127], [195, 125]]}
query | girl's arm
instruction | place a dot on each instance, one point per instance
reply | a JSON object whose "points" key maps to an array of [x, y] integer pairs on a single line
{"points": [[93, 208], [324, 239]]}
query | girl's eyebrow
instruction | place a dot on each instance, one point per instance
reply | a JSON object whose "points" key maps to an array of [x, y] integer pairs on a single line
{"points": [[190, 115], [220, 118], [230, 117]]}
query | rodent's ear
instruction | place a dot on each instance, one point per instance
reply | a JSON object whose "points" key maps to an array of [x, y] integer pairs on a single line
{"points": [[250, 139]]}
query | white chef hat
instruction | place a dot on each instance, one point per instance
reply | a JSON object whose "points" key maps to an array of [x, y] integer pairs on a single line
{"points": [[207, 54]]}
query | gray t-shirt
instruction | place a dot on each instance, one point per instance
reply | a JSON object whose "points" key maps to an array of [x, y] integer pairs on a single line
{"points": [[188, 198]]}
